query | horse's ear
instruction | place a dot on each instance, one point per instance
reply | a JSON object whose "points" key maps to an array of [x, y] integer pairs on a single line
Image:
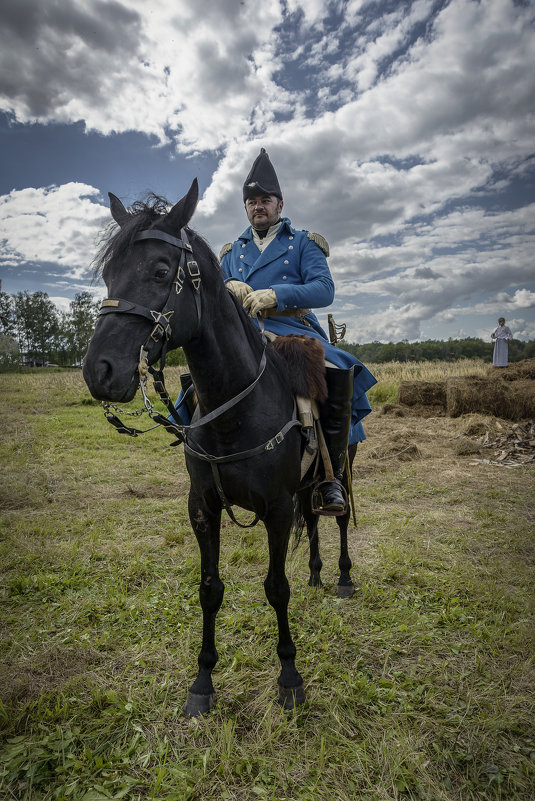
{"points": [[182, 212], [118, 211]]}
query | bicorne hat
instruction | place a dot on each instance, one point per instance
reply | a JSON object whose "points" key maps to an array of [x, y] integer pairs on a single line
{"points": [[262, 178]]}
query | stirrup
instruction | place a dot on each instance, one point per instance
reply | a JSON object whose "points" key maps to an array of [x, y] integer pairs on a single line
{"points": [[316, 500]]}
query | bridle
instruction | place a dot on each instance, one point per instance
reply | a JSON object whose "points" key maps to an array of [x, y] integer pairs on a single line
{"points": [[162, 319], [187, 268]]}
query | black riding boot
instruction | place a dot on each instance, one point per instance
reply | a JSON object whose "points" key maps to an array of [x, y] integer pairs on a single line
{"points": [[335, 418]]}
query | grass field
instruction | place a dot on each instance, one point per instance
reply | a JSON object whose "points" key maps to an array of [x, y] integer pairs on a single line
{"points": [[421, 686]]}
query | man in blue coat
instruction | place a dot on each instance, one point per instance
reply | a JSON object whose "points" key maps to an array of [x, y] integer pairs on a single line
{"points": [[281, 273]]}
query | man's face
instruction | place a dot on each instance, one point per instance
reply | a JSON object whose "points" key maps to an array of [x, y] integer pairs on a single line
{"points": [[263, 211]]}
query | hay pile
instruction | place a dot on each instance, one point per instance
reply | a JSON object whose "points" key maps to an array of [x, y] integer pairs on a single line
{"points": [[512, 400], [518, 370], [422, 393], [508, 393]]}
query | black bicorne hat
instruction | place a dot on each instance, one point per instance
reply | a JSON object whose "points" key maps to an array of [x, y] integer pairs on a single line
{"points": [[262, 179]]}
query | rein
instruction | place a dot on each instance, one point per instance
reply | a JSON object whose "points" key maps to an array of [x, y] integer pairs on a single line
{"points": [[162, 328]]}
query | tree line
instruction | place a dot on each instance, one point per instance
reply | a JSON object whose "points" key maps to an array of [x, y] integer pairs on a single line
{"points": [[33, 332], [436, 350]]}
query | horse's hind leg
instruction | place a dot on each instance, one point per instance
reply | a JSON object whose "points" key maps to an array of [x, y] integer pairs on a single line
{"points": [[311, 521], [201, 696], [278, 524], [346, 588], [314, 560]]}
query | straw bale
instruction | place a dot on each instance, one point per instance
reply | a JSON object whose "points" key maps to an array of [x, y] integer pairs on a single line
{"points": [[489, 395], [422, 393]]}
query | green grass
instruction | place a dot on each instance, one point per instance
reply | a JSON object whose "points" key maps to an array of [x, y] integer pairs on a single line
{"points": [[419, 687]]}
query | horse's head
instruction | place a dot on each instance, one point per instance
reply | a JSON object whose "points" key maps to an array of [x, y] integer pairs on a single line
{"points": [[153, 303]]}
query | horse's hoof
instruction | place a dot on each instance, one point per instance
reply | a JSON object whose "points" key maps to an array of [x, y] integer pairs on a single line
{"points": [[345, 590], [198, 705], [290, 697]]}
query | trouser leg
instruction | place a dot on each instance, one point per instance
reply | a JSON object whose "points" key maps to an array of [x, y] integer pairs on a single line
{"points": [[335, 418]]}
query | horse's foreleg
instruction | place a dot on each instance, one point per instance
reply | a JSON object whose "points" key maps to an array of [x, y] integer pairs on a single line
{"points": [[206, 525], [346, 588], [278, 525]]}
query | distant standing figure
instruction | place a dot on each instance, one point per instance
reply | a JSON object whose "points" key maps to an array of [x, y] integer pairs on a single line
{"points": [[501, 349]]}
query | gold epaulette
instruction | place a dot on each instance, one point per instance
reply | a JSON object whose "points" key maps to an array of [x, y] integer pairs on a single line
{"points": [[320, 241], [225, 249]]}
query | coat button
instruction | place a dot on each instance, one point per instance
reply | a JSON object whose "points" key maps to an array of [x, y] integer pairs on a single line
{"points": [[286, 261], [284, 278], [240, 269], [290, 237], [243, 246], [241, 257], [290, 247]]}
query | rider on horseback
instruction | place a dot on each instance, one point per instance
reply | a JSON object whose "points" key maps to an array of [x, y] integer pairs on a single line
{"points": [[281, 273]]}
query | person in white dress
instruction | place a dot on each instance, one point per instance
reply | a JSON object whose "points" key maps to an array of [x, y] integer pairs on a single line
{"points": [[501, 335]]}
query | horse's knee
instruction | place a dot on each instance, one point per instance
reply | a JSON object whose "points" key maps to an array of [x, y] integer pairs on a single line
{"points": [[211, 591], [277, 592]]}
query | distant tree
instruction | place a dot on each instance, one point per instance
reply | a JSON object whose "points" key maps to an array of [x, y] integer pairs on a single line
{"points": [[7, 313], [36, 324], [78, 325]]}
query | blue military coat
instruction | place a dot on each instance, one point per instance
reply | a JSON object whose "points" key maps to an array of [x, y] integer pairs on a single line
{"points": [[295, 267]]}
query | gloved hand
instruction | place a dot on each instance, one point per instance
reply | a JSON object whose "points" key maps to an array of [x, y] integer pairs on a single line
{"points": [[239, 288], [259, 301]]}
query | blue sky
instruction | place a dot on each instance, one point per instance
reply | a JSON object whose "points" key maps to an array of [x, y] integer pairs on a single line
{"points": [[404, 132]]}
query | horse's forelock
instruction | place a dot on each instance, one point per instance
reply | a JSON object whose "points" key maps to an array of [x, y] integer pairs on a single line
{"points": [[116, 241]]}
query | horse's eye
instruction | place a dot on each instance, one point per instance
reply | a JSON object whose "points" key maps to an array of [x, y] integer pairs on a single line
{"points": [[161, 273]]}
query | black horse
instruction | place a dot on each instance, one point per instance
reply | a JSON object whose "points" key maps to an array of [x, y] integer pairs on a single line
{"points": [[244, 444]]}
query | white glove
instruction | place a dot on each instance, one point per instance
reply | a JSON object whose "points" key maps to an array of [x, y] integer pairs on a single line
{"points": [[239, 288], [260, 300]]}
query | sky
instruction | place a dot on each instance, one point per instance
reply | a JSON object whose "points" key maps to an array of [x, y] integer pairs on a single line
{"points": [[403, 132]]}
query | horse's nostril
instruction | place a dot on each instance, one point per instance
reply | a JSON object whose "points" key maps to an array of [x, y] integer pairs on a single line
{"points": [[103, 371]]}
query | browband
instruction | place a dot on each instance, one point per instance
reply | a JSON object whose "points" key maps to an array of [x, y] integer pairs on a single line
{"points": [[153, 233]]}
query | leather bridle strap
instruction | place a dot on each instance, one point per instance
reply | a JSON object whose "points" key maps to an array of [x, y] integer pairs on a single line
{"points": [[126, 307], [154, 233], [225, 407]]}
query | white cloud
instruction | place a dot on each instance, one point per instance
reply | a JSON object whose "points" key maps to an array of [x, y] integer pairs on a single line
{"points": [[56, 224]]}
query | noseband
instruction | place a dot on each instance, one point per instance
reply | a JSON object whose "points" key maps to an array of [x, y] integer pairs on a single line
{"points": [[187, 267]]}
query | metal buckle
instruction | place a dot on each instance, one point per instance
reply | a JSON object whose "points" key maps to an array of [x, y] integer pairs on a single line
{"points": [[159, 329], [194, 274], [179, 280]]}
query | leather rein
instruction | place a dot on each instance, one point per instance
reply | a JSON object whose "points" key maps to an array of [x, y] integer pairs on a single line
{"points": [[187, 268]]}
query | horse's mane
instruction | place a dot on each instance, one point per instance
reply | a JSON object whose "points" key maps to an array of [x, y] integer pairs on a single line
{"points": [[116, 242]]}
